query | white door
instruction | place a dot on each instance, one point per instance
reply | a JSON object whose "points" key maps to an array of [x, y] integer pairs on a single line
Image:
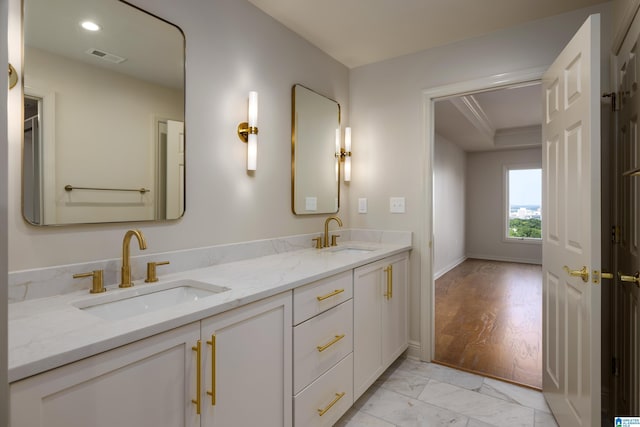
{"points": [[571, 236], [175, 169]]}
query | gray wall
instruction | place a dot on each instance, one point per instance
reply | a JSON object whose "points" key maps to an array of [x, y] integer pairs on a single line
{"points": [[387, 120], [486, 207], [232, 48], [449, 193]]}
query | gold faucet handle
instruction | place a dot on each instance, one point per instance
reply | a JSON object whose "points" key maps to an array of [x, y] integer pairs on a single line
{"points": [[318, 241], [98, 280], [334, 239], [151, 271]]}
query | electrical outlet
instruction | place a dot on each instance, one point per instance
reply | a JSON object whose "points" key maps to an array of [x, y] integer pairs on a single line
{"points": [[396, 205], [362, 205]]}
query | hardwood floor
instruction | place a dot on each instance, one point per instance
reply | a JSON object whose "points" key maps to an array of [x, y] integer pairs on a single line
{"points": [[488, 319]]}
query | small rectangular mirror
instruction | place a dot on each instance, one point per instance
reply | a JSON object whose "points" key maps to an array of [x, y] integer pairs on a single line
{"points": [[103, 114], [315, 172]]}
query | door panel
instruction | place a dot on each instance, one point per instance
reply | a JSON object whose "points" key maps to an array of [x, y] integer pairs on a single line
{"points": [[571, 239]]}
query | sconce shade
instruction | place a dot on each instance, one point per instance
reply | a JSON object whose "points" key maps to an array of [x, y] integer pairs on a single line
{"points": [[252, 152], [253, 109], [347, 149]]}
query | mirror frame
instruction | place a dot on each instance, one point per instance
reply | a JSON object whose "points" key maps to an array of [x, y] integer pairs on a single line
{"points": [[293, 153], [184, 103]]}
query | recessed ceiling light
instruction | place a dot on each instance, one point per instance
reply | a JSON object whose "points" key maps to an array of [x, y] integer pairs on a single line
{"points": [[90, 26]]}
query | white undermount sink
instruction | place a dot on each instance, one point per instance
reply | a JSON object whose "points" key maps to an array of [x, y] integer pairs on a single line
{"points": [[147, 298], [350, 250]]}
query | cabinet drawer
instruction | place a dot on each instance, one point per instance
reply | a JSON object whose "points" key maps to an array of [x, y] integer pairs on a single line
{"points": [[320, 296], [325, 395], [320, 342]]}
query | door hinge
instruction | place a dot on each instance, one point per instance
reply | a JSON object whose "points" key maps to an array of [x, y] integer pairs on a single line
{"points": [[615, 100], [615, 234]]}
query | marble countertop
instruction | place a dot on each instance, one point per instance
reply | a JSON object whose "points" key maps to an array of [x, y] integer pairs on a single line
{"points": [[49, 332]]}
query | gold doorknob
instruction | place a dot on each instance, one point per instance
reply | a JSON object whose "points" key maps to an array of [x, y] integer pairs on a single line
{"points": [[583, 273], [631, 279]]}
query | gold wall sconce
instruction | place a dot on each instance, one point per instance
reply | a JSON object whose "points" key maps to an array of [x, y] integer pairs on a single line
{"points": [[344, 154], [248, 132], [13, 77]]}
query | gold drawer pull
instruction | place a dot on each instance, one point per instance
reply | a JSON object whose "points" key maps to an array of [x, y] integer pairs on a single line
{"points": [[332, 294], [212, 393], [339, 396], [198, 350], [322, 348]]}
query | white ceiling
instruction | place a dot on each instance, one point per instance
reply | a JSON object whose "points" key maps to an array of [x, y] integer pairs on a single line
{"points": [[493, 120], [359, 32]]}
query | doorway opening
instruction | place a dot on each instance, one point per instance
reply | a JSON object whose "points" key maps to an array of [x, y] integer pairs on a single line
{"points": [[486, 276]]}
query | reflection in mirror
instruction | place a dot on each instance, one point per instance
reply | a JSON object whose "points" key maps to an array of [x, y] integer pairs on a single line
{"points": [[314, 164], [103, 114]]}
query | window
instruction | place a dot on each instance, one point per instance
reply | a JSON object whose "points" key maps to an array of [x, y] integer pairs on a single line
{"points": [[524, 199]]}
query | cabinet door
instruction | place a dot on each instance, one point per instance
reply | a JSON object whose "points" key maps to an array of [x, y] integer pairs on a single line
{"points": [[380, 318], [247, 365], [368, 293], [395, 310], [147, 383]]}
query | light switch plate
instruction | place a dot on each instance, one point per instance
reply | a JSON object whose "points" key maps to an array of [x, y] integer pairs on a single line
{"points": [[362, 205], [311, 204], [396, 205]]}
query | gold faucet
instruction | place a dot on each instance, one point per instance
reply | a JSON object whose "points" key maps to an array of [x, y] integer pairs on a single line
{"points": [[126, 267], [326, 229]]}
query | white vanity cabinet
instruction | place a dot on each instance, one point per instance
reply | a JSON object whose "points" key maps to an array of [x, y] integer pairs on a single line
{"points": [[246, 365], [154, 381], [381, 318], [147, 383], [323, 350]]}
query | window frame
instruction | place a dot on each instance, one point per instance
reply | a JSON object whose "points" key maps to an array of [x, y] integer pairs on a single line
{"points": [[506, 206]]}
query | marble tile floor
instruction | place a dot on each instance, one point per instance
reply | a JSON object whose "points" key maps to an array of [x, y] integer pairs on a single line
{"points": [[414, 393]]}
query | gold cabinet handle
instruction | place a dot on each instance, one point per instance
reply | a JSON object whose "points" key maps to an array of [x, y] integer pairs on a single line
{"points": [[339, 396], [389, 271], [606, 275], [583, 273], [337, 338], [631, 279], [212, 393], [198, 349], [332, 294]]}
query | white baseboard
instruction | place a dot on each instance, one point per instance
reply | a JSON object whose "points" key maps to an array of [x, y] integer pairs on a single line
{"points": [[505, 259], [414, 350], [449, 267]]}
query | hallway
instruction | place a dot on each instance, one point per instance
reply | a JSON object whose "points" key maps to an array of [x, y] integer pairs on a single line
{"points": [[488, 320]]}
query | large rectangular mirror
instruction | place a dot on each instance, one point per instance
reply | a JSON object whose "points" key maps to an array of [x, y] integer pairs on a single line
{"points": [[314, 164], [103, 114]]}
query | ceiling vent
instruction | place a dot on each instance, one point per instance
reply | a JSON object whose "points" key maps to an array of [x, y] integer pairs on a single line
{"points": [[106, 56]]}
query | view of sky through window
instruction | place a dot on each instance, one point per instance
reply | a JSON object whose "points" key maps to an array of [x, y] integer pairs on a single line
{"points": [[523, 208], [525, 187]]}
